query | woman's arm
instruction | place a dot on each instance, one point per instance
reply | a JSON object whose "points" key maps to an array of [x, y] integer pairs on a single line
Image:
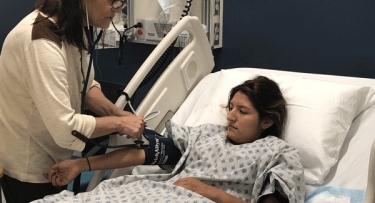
{"points": [[96, 102], [113, 119], [212, 193]]}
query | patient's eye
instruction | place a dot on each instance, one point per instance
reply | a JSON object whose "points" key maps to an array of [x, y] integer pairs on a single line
{"points": [[230, 107], [243, 111]]}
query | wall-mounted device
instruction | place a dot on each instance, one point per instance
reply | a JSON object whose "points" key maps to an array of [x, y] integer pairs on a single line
{"points": [[153, 30], [158, 17]]}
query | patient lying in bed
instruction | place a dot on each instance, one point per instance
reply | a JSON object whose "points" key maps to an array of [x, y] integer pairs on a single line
{"points": [[243, 161]]}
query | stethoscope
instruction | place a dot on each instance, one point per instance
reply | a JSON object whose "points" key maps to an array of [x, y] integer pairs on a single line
{"points": [[137, 143], [92, 49]]}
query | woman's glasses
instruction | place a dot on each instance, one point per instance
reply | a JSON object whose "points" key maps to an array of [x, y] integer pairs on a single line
{"points": [[118, 4]]}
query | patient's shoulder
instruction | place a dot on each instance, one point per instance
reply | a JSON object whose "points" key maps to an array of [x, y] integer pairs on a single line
{"points": [[278, 144]]}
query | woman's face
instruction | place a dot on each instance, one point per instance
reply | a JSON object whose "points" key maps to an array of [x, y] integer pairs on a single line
{"points": [[100, 13], [244, 125]]}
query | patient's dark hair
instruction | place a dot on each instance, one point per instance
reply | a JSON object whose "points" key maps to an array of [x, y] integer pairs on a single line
{"points": [[267, 99], [69, 15]]}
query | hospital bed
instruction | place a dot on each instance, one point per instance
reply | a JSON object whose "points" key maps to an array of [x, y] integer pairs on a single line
{"points": [[330, 118]]}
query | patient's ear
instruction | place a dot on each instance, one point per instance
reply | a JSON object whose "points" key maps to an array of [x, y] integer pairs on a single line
{"points": [[266, 123]]}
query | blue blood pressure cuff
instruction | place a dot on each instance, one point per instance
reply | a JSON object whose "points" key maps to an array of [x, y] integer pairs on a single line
{"points": [[161, 150]]}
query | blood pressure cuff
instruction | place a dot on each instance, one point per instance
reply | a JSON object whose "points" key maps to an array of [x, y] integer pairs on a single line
{"points": [[161, 150]]}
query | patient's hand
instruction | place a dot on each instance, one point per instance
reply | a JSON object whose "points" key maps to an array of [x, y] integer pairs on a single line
{"points": [[212, 193], [63, 172], [192, 184]]}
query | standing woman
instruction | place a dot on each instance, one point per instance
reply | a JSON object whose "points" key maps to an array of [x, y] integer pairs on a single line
{"points": [[42, 74]]}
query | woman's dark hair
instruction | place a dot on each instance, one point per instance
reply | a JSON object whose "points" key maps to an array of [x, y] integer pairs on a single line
{"points": [[69, 15], [267, 99]]}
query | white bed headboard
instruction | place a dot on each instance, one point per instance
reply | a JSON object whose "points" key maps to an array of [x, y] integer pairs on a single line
{"points": [[193, 63], [332, 78]]}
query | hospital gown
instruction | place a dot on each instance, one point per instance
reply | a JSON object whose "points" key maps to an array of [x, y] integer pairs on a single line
{"points": [[246, 171]]}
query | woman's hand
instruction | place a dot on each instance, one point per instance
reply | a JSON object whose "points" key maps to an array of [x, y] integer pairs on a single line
{"points": [[63, 172], [132, 126], [129, 125], [123, 113]]}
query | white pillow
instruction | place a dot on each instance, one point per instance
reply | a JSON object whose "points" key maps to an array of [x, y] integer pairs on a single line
{"points": [[319, 113]]}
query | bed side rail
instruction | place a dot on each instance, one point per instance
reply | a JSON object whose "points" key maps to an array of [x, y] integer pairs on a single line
{"points": [[193, 63], [370, 191]]}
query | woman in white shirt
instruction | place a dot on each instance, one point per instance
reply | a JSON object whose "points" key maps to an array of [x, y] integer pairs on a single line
{"points": [[42, 74]]}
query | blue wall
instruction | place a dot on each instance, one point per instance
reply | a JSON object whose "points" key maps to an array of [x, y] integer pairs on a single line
{"points": [[322, 36], [11, 12]]}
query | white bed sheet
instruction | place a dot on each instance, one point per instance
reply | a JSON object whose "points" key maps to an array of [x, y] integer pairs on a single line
{"points": [[351, 171]]}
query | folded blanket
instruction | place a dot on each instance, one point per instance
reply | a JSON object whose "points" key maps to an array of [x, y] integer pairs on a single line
{"points": [[331, 194]]}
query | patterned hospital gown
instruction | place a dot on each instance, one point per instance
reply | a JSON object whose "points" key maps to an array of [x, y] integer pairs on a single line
{"points": [[246, 171]]}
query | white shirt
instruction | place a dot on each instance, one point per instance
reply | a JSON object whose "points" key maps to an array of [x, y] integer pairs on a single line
{"points": [[41, 78]]}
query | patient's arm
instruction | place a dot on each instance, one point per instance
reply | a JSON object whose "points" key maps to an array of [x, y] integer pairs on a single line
{"points": [[218, 195], [64, 172], [212, 193]]}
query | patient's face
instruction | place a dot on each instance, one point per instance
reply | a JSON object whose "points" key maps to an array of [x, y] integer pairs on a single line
{"points": [[244, 125]]}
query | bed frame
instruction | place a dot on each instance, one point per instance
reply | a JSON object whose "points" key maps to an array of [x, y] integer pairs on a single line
{"points": [[162, 98], [181, 76], [370, 191]]}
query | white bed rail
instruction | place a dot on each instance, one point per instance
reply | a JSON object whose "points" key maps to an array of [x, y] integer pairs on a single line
{"points": [[370, 191], [199, 45], [193, 63]]}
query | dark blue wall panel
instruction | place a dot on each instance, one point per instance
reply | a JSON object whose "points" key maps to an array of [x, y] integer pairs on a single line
{"points": [[323, 36], [11, 12], [320, 36]]}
